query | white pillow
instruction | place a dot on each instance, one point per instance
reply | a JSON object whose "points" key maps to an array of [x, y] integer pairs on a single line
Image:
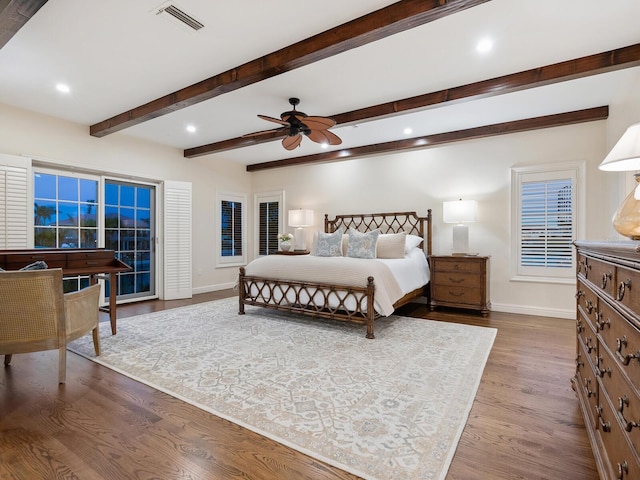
{"points": [[391, 245], [412, 242], [362, 245], [329, 244]]}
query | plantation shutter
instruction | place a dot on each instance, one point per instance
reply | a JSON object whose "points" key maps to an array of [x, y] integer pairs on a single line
{"points": [[231, 229], [177, 240], [546, 223], [268, 227], [16, 212]]}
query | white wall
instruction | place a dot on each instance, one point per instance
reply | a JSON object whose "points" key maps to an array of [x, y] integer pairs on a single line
{"points": [[475, 169], [65, 143]]}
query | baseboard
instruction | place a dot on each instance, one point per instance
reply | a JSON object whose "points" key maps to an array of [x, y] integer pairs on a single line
{"points": [[213, 288], [530, 310]]}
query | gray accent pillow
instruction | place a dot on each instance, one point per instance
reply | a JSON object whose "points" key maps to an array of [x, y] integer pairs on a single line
{"points": [[362, 245], [39, 265], [329, 244]]}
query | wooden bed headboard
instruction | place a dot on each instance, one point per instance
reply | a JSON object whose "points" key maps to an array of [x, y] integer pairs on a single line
{"points": [[393, 222]]}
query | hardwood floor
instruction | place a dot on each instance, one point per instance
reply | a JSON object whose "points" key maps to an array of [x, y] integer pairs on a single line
{"points": [[524, 424]]}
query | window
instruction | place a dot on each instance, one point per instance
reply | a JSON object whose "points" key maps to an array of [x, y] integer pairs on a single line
{"points": [[269, 208], [231, 228], [545, 204]]}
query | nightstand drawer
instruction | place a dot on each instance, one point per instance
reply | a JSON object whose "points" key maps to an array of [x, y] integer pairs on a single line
{"points": [[462, 295], [457, 279], [453, 264]]}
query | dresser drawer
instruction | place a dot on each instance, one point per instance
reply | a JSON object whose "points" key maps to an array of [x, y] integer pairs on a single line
{"points": [[622, 461], [621, 339], [452, 264], [623, 397], [601, 275], [586, 383], [587, 303], [461, 295], [628, 288]]}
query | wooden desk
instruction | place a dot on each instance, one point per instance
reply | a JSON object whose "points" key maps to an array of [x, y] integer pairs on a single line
{"points": [[93, 262]]}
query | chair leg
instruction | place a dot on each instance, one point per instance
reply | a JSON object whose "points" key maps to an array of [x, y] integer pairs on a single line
{"points": [[62, 364], [7, 360], [96, 341]]}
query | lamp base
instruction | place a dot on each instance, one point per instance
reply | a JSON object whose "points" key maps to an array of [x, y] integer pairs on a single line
{"points": [[300, 241], [626, 220], [460, 239]]}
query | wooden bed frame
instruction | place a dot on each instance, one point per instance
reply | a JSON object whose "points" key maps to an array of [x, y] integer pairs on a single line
{"points": [[273, 293]]}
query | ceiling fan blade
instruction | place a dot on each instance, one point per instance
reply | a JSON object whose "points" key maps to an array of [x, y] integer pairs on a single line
{"points": [[333, 138], [318, 123], [264, 132], [318, 136], [292, 142], [275, 120]]}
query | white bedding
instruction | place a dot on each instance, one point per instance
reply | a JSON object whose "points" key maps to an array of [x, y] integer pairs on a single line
{"points": [[393, 278]]}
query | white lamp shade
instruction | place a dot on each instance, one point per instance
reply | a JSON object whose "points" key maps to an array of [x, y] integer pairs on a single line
{"points": [[300, 218], [625, 155], [459, 211]]}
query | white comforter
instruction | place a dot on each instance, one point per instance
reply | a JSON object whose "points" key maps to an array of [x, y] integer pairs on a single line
{"points": [[393, 278]]}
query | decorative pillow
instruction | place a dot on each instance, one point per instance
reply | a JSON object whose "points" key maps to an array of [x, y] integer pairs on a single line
{"points": [[39, 265], [391, 245], [362, 245], [329, 244], [2, 269], [412, 242]]}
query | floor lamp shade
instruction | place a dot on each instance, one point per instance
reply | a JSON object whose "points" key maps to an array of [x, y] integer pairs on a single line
{"points": [[460, 212], [625, 156], [299, 219]]}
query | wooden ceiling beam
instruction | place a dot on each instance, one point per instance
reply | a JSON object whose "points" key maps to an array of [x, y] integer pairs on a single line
{"points": [[608, 61], [547, 121], [395, 18], [14, 14]]}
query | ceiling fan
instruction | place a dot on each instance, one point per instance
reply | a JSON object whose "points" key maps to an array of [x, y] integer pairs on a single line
{"points": [[295, 124]]}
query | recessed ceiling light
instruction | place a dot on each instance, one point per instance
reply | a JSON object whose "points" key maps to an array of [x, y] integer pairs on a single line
{"points": [[484, 45], [191, 128], [408, 131], [63, 88], [324, 145]]}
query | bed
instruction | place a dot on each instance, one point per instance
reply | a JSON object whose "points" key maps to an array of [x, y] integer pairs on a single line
{"points": [[347, 289]]}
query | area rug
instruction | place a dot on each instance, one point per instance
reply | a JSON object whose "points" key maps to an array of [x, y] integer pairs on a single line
{"points": [[389, 408]]}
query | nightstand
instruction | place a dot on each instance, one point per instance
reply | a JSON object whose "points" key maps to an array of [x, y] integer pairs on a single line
{"points": [[460, 281], [292, 252]]}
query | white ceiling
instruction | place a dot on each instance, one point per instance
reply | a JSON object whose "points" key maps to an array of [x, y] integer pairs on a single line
{"points": [[117, 55]]}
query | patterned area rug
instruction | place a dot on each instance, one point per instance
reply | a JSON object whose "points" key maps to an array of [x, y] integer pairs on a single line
{"points": [[389, 408]]}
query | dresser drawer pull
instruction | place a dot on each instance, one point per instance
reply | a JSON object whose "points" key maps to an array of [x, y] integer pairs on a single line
{"points": [[578, 362], [605, 278], [625, 359], [590, 393], [456, 280], [588, 306], [623, 469], [602, 324], [601, 372], [622, 288], [579, 326], [624, 402], [605, 426], [579, 293], [587, 343]]}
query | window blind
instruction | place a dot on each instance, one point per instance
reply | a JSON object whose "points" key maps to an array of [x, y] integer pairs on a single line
{"points": [[268, 227], [546, 230], [231, 229]]}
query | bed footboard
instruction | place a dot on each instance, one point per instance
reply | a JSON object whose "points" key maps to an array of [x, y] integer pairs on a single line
{"points": [[336, 302]]}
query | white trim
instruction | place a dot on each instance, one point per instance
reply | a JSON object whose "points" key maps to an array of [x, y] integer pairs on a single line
{"points": [[214, 288], [530, 310], [574, 169]]}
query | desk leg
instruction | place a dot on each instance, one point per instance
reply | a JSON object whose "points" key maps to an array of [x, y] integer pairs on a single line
{"points": [[112, 302]]}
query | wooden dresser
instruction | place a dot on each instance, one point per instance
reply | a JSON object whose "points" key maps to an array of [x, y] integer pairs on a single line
{"points": [[460, 281], [607, 379]]}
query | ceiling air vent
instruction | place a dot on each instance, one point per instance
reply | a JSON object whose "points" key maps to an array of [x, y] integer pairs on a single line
{"points": [[171, 12]]}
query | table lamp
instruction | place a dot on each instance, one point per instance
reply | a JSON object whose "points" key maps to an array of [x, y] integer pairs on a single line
{"points": [[460, 212], [299, 219], [625, 156]]}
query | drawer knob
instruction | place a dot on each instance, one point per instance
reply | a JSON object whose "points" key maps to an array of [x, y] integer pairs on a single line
{"points": [[622, 289], [625, 359], [601, 371], [587, 383], [624, 402], [603, 323], [588, 305], [605, 278], [579, 293]]}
